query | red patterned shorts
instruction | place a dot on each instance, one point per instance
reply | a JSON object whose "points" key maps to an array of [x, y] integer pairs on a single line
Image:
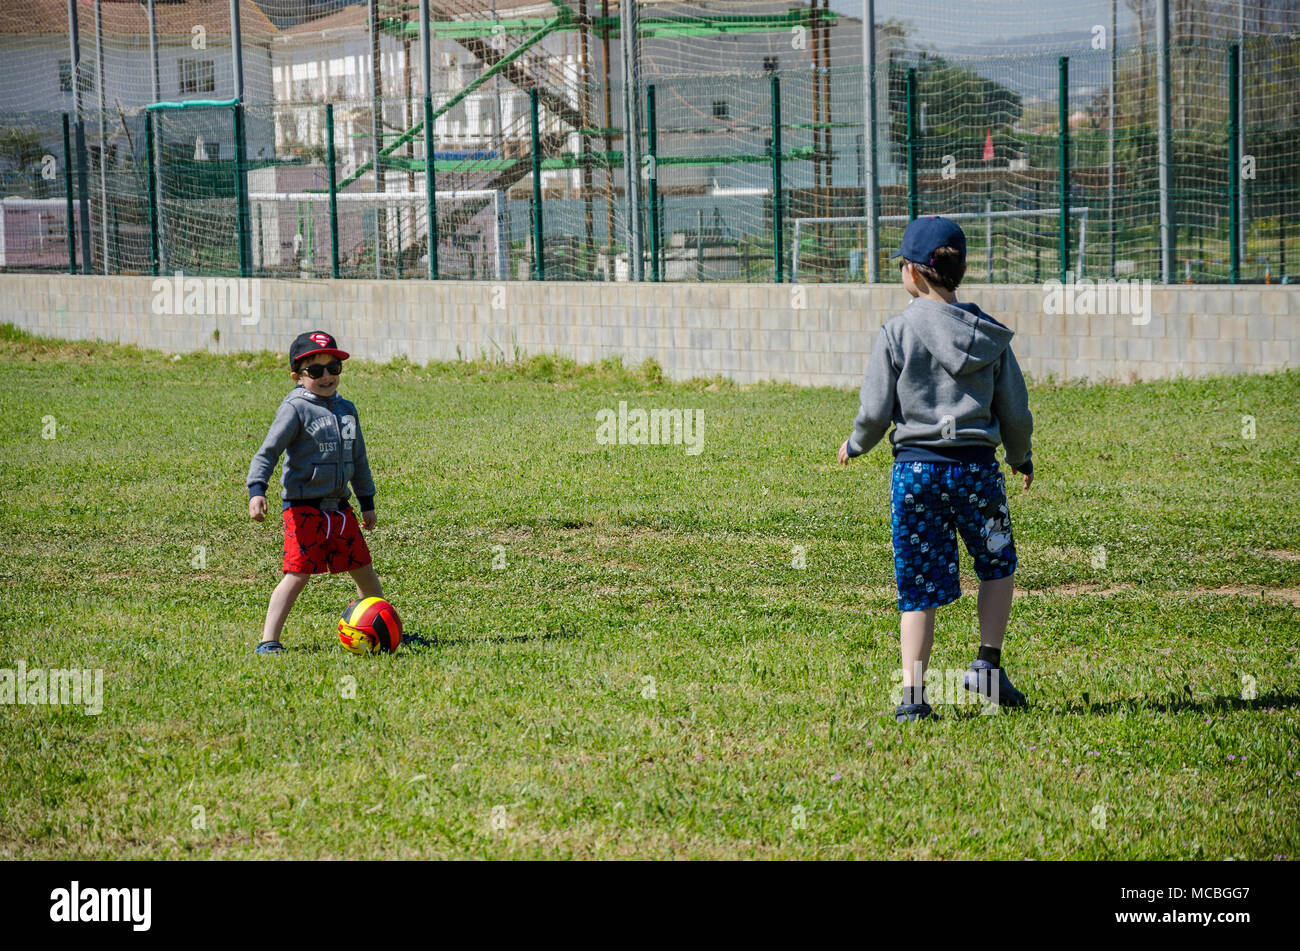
{"points": [[317, 541]]}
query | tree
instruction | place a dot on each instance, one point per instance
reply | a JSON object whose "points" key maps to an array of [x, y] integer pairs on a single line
{"points": [[20, 146]]}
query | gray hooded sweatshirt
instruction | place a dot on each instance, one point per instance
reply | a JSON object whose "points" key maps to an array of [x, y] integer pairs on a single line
{"points": [[324, 451], [945, 376]]}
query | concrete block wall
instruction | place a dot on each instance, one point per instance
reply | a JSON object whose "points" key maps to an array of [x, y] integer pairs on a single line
{"points": [[808, 334]]}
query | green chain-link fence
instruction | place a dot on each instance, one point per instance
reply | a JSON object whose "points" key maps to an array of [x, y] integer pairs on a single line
{"points": [[980, 137]]}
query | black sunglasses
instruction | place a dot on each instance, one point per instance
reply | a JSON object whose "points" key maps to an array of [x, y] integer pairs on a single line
{"points": [[317, 370]]}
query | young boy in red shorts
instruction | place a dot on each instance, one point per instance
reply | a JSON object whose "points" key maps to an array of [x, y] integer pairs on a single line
{"points": [[324, 452]]}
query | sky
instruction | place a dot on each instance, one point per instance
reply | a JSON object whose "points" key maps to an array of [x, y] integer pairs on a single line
{"points": [[948, 24]]}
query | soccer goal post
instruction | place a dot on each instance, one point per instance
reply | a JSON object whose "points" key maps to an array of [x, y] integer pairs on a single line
{"points": [[198, 181], [299, 232], [1022, 244]]}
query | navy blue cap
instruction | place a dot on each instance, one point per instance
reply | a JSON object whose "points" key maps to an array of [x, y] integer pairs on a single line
{"points": [[926, 234]]}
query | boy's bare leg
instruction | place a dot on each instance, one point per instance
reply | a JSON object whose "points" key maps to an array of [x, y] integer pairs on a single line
{"points": [[367, 582], [995, 610], [282, 599], [917, 639]]}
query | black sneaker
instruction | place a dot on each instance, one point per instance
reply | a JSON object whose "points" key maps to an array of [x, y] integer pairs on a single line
{"points": [[980, 678], [269, 647], [907, 712]]}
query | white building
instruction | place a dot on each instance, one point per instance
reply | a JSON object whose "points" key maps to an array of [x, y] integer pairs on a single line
{"points": [[193, 55], [328, 60]]}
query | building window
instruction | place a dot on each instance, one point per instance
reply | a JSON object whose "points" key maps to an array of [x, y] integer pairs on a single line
{"points": [[87, 82], [197, 75], [719, 108], [770, 63]]}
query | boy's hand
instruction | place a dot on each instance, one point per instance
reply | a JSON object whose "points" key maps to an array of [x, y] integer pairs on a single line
{"points": [[257, 508], [844, 456], [1029, 476], [368, 519]]}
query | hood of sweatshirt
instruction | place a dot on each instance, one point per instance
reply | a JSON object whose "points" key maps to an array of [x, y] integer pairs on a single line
{"points": [[302, 393], [961, 337]]}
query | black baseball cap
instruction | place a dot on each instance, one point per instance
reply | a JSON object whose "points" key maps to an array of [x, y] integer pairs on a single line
{"points": [[313, 342], [926, 234]]}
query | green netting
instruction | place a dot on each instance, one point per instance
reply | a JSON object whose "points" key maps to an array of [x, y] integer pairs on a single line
{"points": [[198, 189], [987, 143]]}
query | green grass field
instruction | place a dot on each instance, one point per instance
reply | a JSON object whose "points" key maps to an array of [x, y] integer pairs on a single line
{"points": [[649, 674]]}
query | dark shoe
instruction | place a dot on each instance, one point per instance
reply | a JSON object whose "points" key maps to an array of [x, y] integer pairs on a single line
{"points": [[270, 647], [907, 712], [992, 684]]}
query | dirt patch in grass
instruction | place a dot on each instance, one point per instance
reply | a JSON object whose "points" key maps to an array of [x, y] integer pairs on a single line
{"points": [[1291, 595], [1070, 590], [1281, 554]]}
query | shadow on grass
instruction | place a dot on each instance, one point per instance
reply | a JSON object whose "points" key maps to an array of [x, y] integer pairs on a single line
{"points": [[1173, 703], [1169, 703], [426, 642], [432, 641]]}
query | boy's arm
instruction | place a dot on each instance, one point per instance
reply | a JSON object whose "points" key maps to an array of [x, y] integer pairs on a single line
{"points": [[284, 429], [1011, 408], [876, 399], [362, 483]]}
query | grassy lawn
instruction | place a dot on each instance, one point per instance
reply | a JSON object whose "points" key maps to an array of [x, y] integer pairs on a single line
{"points": [[648, 674]]}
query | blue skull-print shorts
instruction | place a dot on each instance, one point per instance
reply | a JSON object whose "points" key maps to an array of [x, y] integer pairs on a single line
{"points": [[928, 500]]}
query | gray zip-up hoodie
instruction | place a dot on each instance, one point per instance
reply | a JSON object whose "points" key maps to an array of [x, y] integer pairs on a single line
{"points": [[324, 451], [945, 376]]}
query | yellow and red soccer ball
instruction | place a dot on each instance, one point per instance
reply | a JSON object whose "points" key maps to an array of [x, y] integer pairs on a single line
{"points": [[370, 625]]}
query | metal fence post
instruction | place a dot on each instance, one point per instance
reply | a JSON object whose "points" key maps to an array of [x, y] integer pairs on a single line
{"points": [[376, 133], [501, 234], [632, 138], [431, 188], [241, 194], [778, 211], [913, 198], [870, 122], [153, 191], [1234, 164], [988, 237], [67, 187], [539, 265], [1063, 110], [103, 136], [426, 75], [83, 179], [1110, 135], [651, 145], [334, 189], [1163, 143], [699, 244]]}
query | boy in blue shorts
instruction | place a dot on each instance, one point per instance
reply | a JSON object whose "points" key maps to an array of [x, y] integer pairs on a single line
{"points": [[943, 374]]}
